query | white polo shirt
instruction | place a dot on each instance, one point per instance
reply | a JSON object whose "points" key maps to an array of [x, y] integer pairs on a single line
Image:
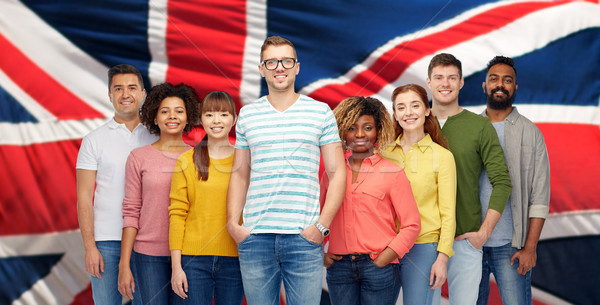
{"points": [[105, 150]]}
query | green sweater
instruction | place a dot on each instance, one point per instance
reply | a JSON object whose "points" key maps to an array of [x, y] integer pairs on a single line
{"points": [[474, 143]]}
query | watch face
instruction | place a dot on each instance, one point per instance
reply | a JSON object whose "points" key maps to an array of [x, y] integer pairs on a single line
{"points": [[325, 232]]}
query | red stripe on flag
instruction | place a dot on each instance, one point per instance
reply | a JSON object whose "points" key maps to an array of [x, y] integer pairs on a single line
{"points": [[389, 66], [205, 45], [573, 150], [39, 193], [44, 89]]}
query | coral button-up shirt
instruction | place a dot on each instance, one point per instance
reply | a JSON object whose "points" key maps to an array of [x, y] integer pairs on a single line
{"points": [[365, 223]]}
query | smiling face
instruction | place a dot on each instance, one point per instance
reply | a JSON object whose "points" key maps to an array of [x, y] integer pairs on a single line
{"points": [[362, 135], [217, 124], [171, 117], [445, 83], [126, 94], [410, 112], [500, 86], [280, 79]]}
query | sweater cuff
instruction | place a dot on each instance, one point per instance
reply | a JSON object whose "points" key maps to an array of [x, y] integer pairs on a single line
{"points": [[538, 211]]}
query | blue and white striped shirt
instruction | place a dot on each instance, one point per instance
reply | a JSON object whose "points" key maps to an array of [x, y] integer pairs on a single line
{"points": [[283, 195]]}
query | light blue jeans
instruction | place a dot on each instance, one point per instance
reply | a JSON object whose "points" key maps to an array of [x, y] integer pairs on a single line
{"points": [[267, 259], [356, 280], [515, 289], [415, 268], [464, 273], [213, 277], [153, 275], [105, 290]]}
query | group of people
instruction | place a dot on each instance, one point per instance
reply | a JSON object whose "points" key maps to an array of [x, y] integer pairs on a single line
{"points": [[406, 201]]}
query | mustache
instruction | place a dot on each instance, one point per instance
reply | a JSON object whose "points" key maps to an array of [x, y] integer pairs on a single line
{"points": [[499, 89]]}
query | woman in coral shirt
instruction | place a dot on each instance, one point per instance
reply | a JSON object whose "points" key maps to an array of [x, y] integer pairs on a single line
{"points": [[364, 244]]}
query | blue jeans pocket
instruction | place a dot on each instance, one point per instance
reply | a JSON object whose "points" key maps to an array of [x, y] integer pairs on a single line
{"points": [[308, 241]]}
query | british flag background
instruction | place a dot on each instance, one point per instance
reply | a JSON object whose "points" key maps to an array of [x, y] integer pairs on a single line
{"points": [[54, 56]]}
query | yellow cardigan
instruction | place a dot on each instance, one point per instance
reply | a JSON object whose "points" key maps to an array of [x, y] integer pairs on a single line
{"points": [[198, 213], [431, 170]]}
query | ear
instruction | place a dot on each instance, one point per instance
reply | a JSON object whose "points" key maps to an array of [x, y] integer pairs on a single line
{"points": [[516, 87], [297, 68], [462, 83], [260, 69], [429, 83], [428, 112], [155, 121], [483, 86]]}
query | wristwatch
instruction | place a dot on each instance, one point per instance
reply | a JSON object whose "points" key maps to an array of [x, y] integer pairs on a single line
{"points": [[324, 231]]}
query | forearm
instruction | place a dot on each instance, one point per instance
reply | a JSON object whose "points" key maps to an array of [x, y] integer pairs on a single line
{"points": [[85, 216], [334, 197], [176, 259], [236, 197], [489, 222], [533, 235], [127, 240]]}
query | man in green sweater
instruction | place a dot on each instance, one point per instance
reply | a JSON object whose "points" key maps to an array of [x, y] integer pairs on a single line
{"points": [[474, 143]]}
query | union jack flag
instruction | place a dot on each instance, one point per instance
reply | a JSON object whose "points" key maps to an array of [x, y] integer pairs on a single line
{"points": [[53, 90]]}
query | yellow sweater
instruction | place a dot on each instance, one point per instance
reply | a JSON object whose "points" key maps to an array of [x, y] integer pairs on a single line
{"points": [[198, 208], [431, 170]]}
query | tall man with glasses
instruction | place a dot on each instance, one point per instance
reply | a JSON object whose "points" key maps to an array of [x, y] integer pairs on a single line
{"points": [[275, 184]]}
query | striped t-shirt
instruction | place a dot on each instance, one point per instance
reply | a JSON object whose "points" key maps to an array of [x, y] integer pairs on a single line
{"points": [[283, 195]]}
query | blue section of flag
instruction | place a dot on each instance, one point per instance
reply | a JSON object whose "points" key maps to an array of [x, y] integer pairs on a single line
{"points": [[574, 258], [112, 31], [18, 274], [552, 75], [12, 111], [331, 37]]}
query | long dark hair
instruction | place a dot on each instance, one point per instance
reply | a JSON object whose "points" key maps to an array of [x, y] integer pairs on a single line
{"points": [[431, 125], [214, 101]]}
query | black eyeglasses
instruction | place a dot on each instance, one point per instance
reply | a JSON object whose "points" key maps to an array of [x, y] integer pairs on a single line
{"points": [[271, 64]]}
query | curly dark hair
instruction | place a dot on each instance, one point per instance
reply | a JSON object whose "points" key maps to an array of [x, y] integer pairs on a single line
{"points": [[158, 93], [350, 109]]}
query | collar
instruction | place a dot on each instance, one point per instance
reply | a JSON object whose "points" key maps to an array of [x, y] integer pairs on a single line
{"points": [[512, 117], [374, 159], [423, 144]]}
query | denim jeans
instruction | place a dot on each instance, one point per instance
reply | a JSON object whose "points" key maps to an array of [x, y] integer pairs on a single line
{"points": [[105, 290], [267, 259], [415, 268], [464, 273], [355, 279], [213, 277], [153, 275], [515, 289]]}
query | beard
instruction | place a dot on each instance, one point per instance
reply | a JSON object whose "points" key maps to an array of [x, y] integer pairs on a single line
{"points": [[497, 104]]}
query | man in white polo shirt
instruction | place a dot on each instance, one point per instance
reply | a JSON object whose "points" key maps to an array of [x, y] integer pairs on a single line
{"points": [[275, 181], [101, 163]]}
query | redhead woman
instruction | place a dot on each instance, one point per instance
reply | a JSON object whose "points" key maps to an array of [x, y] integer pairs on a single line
{"points": [[423, 153], [364, 244], [205, 258], [168, 112]]}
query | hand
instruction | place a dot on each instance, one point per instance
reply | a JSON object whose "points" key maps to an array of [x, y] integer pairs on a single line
{"points": [[527, 258], [313, 234], [438, 274], [126, 283], [179, 283], [328, 259], [477, 239], [237, 232], [94, 263], [385, 257]]}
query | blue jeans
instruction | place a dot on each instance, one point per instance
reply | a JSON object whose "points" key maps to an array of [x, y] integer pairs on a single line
{"points": [[464, 273], [105, 290], [267, 259], [356, 280], [213, 277], [153, 275], [415, 268], [515, 289]]}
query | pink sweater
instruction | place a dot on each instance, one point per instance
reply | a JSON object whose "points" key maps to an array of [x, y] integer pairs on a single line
{"points": [[146, 204]]}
